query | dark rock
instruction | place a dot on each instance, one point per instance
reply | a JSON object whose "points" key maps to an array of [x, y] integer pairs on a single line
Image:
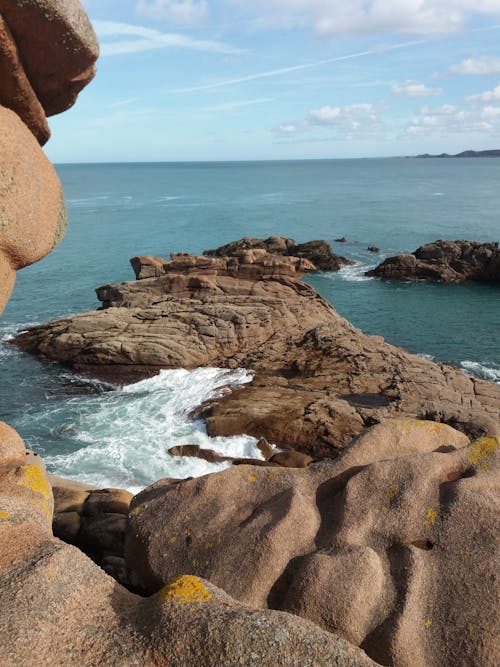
{"points": [[291, 459], [198, 452], [341, 240], [265, 448], [444, 261], [373, 248], [317, 252]]}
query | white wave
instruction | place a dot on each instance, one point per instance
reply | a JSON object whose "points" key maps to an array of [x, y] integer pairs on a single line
{"points": [[438, 194], [428, 357], [165, 198], [121, 438], [481, 371], [356, 272]]}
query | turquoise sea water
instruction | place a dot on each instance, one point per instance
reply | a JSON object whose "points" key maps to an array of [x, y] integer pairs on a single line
{"points": [[117, 211]]}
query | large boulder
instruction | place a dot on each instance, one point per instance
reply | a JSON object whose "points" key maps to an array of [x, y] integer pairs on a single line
{"points": [[62, 32], [397, 556], [32, 209], [444, 261]]}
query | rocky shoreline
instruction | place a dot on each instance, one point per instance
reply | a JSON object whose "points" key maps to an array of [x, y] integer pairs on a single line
{"points": [[385, 555], [318, 381]]}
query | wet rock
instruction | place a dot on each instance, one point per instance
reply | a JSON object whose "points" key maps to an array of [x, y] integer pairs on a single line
{"points": [[373, 248], [265, 448], [199, 452], [291, 459], [444, 261]]}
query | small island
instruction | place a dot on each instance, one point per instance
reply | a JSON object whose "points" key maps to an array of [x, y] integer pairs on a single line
{"points": [[495, 152]]}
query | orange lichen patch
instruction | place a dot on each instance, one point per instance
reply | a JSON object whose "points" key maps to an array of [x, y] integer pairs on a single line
{"points": [[137, 510], [4, 516], [34, 479], [251, 478], [482, 451], [184, 590], [430, 517]]}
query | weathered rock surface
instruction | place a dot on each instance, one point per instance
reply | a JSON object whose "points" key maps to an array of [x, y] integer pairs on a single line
{"points": [[444, 261], [32, 209], [317, 252], [397, 555], [66, 67], [318, 380], [253, 264], [60, 609]]}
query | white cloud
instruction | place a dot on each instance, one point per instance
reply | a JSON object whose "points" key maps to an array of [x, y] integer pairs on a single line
{"points": [[185, 12], [415, 89], [114, 40], [238, 104], [334, 17], [486, 65], [487, 96], [343, 120], [448, 119]]}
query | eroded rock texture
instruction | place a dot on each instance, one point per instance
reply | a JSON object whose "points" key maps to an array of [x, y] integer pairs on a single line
{"points": [[393, 546], [34, 86], [318, 380], [60, 609], [444, 261]]}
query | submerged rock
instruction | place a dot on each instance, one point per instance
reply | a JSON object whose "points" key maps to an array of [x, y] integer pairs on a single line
{"points": [[444, 261]]}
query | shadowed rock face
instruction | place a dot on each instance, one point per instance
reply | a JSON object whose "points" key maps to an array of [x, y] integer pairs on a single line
{"points": [[392, 546], [318, 380], [444, 261]]}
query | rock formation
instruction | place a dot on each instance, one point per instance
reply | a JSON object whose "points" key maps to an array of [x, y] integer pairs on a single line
{"points": [[35, 87], [392, 546], [317, 252], [444, 261], [318, 380]]}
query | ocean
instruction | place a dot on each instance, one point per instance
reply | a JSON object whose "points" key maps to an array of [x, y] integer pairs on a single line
{"points": [[113, 436]]}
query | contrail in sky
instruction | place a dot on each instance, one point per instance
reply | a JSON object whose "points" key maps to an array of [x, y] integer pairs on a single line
{"points": [[296, 68]]}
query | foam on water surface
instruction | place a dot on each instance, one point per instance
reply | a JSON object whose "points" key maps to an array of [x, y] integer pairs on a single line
{"points": [[120, 438], [474, 368]]}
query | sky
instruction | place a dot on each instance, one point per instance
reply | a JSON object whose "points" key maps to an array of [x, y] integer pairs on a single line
{"points": [[189, 80]]}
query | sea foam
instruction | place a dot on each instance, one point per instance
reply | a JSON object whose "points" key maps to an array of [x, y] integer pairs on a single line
{"points": [[481, 371], [121, 438]]}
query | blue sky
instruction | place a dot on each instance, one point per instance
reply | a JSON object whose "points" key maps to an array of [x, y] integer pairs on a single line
{"points": [[286, 79]]}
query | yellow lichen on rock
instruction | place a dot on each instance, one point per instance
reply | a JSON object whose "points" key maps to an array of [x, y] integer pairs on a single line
{"points": [[184, 590], [4, 516], [482, 451], [34, 479], [430, 517]]}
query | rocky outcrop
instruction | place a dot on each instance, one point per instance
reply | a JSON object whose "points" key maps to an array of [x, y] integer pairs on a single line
{"points": [[35, 87], [318, 380], [392, 546], [444, 261], [253, 264], [317, 252]]}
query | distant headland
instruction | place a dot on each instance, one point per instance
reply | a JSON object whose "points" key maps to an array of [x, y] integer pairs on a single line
{"points": [[489, 153]]}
